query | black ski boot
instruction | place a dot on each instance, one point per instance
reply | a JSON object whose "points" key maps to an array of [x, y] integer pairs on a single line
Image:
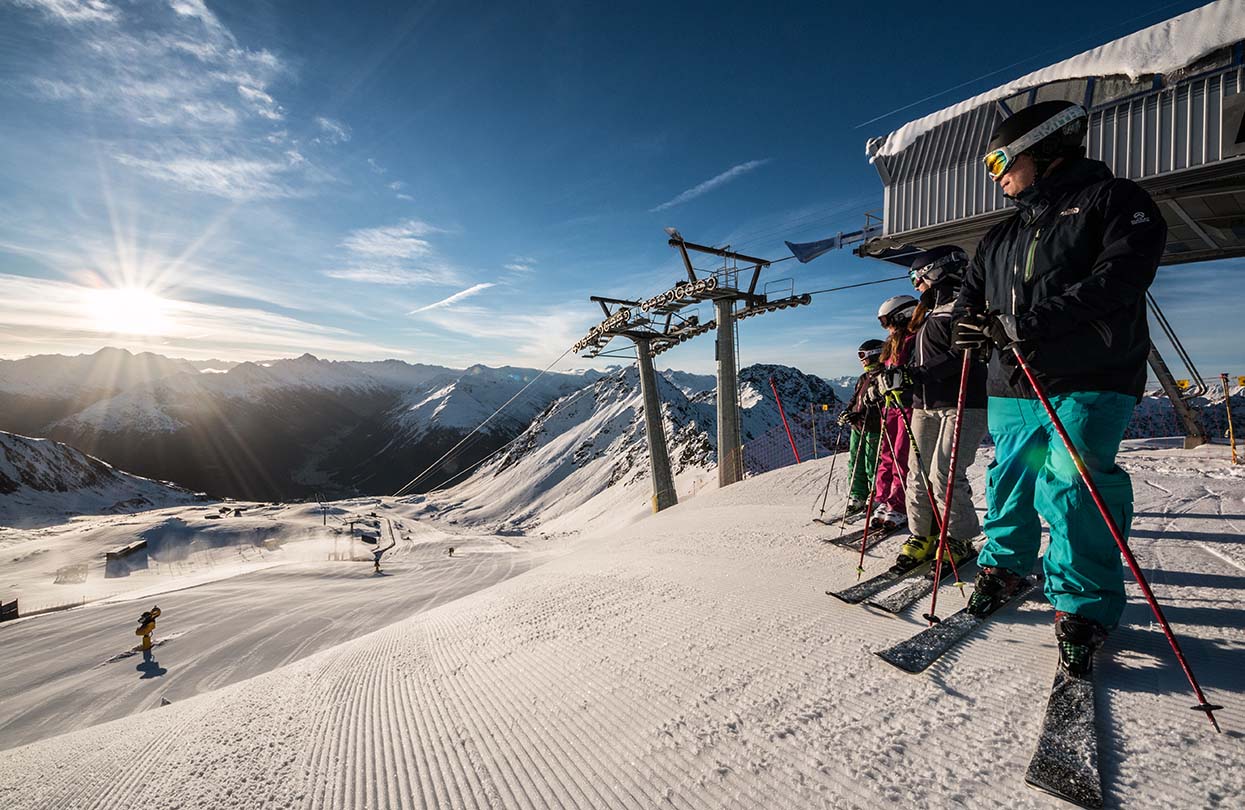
{"points": [[993, 587], [961, 550], [1079, 638]]}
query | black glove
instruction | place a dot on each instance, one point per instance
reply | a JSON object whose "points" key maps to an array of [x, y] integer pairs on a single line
{"points": [[893, 380], [845, 418]]}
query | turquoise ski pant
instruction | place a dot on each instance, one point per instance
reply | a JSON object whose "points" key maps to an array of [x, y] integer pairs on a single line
{"points": [[1032, 475], [862, 468]]}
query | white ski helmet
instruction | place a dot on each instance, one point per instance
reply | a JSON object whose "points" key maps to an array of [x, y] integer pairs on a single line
{"points": [[896, 310]]}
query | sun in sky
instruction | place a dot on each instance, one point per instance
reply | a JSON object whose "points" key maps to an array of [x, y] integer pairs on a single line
{"points": [[129, 310]]}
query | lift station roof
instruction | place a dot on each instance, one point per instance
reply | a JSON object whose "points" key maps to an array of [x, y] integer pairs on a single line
{"points": [[1166, 109]]}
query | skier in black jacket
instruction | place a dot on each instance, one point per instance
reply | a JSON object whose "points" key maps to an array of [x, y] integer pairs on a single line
{"points": [[933, 374], [1064, 280]]}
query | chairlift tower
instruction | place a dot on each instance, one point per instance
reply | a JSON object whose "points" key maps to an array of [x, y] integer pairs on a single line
{"points": [[659, 325], [648, 340], [724, 293]]}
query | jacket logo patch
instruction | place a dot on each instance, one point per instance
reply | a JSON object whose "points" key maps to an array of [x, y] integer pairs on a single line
{"points": [[1140, 218], [1067, 212]]}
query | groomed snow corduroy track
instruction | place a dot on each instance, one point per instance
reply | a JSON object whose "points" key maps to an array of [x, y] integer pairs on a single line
{"points": [[693, 661]]}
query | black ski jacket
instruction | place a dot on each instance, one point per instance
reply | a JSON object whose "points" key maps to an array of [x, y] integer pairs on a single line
{"points": [[1073, 265], [934, 366], [864, 415]]}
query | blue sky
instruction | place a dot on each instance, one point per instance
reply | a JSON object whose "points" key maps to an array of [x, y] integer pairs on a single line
{"points": [[448, 183]]}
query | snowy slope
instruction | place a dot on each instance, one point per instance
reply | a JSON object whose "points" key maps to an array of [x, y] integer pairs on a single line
{"points": [[44, 482], [584, 461], [691, 660], [582, 445]]}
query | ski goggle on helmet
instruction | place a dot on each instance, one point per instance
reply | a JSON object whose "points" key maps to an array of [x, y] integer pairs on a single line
{"points": [[897, 310], [999, 160], [870, 350], [938, 263]]}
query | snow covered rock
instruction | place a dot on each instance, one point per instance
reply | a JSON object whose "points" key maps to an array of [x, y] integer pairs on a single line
{"points": [[43, 482]]}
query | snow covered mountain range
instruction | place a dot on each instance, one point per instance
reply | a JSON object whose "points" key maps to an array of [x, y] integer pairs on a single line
{"points": [[293, 427], [274, 430]]}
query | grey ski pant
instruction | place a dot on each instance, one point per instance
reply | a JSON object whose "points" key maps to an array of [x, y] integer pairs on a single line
{"points": [[933, 430]]}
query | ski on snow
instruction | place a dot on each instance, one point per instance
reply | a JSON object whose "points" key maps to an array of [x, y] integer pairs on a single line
{"points": [[1065, 763], [875, 536], [916, 653], [901, 599], [861, 591]]}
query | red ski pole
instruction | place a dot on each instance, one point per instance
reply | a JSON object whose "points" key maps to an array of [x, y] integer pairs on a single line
{"points": [[1227, 404], [873, 492], [1203, 705], [932, 616], [929, 487], [783, 414]]}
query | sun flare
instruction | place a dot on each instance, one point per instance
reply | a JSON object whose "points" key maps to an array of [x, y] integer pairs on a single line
{"points": [[129, 310]]}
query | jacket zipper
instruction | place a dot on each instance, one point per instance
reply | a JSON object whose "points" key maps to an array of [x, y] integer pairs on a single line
{"points": [[1032, 251]]}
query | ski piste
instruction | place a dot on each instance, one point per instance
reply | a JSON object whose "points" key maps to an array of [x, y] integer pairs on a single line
{"points": [[1065, 763], [916, 653], [861, 591], [902, 598]]}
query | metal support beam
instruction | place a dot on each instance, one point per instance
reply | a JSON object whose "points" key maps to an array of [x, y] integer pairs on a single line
{"points": [[730, 454], [1194, 433], [683, 244], [664, 495], [1191, 222], [687, 260]]}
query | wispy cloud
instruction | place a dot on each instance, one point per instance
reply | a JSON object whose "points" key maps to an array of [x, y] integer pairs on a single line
{"points": [[376, 167], [176, 69], [710, 184], [456, 297], [261, 103], [520, 264], [208, 170], [395, 255], [74, 11], [334, 131]]}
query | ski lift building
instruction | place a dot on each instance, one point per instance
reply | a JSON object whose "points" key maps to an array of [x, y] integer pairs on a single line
{"points": [[1166, 110]]}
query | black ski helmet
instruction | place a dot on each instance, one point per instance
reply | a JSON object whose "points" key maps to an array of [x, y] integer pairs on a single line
{"points": [[939, 264], [1050, 138], [870, 349]]}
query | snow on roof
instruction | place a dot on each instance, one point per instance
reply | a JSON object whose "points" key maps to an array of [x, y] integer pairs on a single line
{"points": [[1159, 49]]}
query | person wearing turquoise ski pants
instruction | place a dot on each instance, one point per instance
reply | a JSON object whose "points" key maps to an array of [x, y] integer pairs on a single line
{"points": [[1033, 476]]}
